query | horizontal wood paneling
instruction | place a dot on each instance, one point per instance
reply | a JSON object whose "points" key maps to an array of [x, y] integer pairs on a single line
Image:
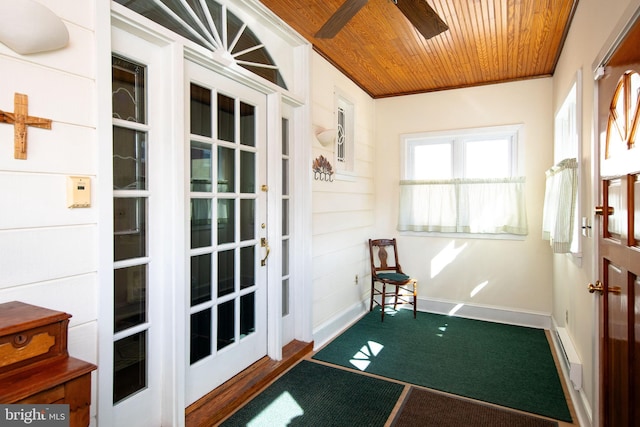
{"points": [[488, 41], [39, 254]]}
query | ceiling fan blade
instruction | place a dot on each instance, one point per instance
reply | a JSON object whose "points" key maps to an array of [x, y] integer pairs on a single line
{"points": [[423, 17], [340, 18]]}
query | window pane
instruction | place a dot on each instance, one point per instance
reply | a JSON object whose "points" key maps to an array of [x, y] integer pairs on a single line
{"points": [[200, 110], [200, 166], [226, 170], [247, 314], [226, 272], [285, 217], [247, 172], [129, 228], [247, 219], [200, 223], [487, 159], [129, 297], [285, 137], [285, 177], [285, 257], [247, 125], [129, 159], [129, 365], [200, 279], [285, 297], [247, 267], [128, 90], [226, 221], [226, 324], [430, 161], [226, 122], [200, 335]]}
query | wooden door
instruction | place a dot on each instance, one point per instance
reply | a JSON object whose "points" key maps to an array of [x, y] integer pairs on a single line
{"points": [[619, 237]]}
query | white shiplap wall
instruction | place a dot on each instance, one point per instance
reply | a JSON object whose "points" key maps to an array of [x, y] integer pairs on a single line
{"points": [[48, 253]]}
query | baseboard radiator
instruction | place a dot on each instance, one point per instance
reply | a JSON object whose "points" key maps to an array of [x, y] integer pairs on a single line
{"points": [[570, 357]]}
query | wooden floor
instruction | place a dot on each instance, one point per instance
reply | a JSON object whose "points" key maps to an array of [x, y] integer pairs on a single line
{"points": [[224, 400]]}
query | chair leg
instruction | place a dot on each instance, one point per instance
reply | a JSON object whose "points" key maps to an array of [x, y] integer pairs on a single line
{"points": [[384, 299], [395, 301], [373, 285], [415, 299]]}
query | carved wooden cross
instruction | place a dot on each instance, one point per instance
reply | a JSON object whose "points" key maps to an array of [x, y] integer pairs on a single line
{"points": [[20, 120]]}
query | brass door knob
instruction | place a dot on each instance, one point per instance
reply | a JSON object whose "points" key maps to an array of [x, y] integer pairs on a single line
{"points": [[599, 210], [596, 288]]}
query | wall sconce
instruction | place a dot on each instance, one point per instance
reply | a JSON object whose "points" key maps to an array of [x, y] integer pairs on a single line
{"points": [[326, 136], [27, 26]]}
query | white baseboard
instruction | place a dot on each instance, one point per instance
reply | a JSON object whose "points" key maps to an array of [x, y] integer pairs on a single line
{"points": [[334, 326], [490, 314]]}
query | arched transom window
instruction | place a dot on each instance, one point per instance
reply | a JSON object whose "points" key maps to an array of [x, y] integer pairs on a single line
{"points": [[623, 114], [212, 26]]}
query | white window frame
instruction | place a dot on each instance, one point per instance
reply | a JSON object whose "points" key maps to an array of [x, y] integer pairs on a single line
{"points": [[344, 150], [568, 144], [457, 138]]}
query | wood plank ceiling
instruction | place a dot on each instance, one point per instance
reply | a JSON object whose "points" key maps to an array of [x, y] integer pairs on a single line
{"points": [[488, 41]]}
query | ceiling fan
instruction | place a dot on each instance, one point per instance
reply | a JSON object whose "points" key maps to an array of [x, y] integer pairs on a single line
{"points": [[418, 12]]}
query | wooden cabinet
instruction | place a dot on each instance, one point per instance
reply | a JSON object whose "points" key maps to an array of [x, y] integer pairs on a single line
{"points": [[35, 366]]}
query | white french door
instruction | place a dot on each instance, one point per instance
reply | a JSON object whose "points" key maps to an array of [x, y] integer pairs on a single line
{"points": [[227, 229]]}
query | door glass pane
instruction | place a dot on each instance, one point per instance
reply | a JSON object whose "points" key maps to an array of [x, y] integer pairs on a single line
{"points": [[247, 314], [129, 159], [200, 335], [247, 219], [129, 228], [285, 177], [285, 217], [247, 267], [226, 324], [200, 279], [285, 257], [200, 223], [226, 170], [247, 172], [226, 272], [130, 365], [617, 220], [285, 297], [226, 116], [201, 166], [200, 111], [636, 212], [226, 220], [128, 90], [129, 297], [247, 125], [285, 137]]}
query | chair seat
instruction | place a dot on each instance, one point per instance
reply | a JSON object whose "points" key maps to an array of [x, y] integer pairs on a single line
{"points": [[394, 277]]}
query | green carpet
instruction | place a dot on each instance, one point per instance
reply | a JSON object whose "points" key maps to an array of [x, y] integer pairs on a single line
{"points": [[312, 394], [507, 365]]}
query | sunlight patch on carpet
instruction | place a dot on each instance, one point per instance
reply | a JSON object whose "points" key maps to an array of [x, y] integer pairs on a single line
{"points": [[362, 358], [280, 412]]}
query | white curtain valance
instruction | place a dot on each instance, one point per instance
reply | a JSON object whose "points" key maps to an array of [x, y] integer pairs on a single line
{"points": [[559, 205], [491, 206]]}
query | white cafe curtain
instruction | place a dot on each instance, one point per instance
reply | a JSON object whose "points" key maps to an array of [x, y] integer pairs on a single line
{"points": [[489, 206], [559, 205]]}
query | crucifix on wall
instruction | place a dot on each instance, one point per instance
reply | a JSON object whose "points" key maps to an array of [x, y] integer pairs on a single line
{"points": [[20, 119]]}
